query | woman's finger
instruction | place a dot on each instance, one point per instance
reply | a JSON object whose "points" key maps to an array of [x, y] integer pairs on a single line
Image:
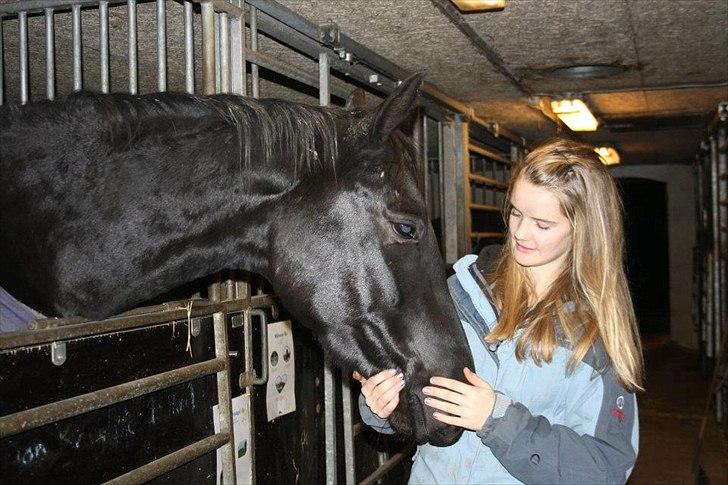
{"points": [[448, 407], [387, 410], [451, 384], [392, 392], [376, 394], [454, 420], [380, 377], [444, 394]]}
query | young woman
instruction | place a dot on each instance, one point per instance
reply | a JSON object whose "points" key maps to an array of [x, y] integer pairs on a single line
{"points": [[552, 330]]}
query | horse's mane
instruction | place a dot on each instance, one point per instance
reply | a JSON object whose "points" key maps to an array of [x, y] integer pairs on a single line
{"points": [[305, 138]]}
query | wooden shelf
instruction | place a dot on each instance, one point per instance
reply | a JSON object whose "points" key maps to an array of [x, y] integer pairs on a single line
{"points": [[484, 207], [488, 153], [483, 235], [487, 181]]}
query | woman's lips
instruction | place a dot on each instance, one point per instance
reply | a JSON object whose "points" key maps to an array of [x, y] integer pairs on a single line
{"points": [[523, 249]]}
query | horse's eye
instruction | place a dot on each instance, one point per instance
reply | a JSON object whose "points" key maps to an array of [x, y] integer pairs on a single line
{"points": [[407, 231]]}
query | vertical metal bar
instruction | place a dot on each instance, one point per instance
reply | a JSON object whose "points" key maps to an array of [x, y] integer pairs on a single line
{"points": [[237, 53], [161, 45], [723, 222], [104, 44], [77, 48], [348, 421], [224, 53], [254, 74], [224, 395], [50, 38], [189, 50], [131, 12], [208, 48], [23, 45], [715, 240], [429, 200], [329, 382], [2, 64], [441, 169], [217, 53]]}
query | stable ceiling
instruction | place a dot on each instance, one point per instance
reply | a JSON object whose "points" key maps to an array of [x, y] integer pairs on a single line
{"points": [[674, 54]]}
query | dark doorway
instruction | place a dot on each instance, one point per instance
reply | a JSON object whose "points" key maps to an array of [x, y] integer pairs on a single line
{"points": [[645, 211]]}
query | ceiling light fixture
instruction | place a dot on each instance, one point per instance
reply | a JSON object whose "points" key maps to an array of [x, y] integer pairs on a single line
{"points": [[575, 114], [479, 5], [608, 155]]}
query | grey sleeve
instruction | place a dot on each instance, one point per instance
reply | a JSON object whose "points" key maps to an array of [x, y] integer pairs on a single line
{"points": [[371, 419], [535, 451]]}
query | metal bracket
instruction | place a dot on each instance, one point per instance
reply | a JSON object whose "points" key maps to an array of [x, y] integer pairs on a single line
{"points": [[330, 35], [250, 377], [58, 353]]}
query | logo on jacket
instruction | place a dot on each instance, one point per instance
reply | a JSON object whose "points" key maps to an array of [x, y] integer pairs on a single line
{"points": [[617, 410]]}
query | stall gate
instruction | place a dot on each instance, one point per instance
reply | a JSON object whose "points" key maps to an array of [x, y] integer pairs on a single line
{"points": [[711, 268], [130, 399]]}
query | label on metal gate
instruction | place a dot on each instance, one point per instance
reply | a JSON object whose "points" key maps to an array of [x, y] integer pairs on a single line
{"points": [[280, 394]]}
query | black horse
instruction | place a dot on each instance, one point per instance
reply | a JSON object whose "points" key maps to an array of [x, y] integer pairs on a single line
{"points": [[108, 199]]}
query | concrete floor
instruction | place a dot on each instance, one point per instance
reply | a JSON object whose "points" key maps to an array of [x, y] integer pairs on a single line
{"points": [[670, 416]]}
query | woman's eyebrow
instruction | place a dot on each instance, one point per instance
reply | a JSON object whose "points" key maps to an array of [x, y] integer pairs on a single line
{"points": [[546, 221]]}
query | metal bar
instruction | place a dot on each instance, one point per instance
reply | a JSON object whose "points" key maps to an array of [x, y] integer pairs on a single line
{"points": [[723, 219], [484, 235], [50, 38], [254, 75], [346, 414], [292, 72], [217, 51], [387, 466], [77, 48], [189, 50], [425, 142], [237, 54], [133, 72], [488, 153], [484, 207], [161, 45], [104, 45], [487, 181], [715, 241], [224, 53], [50, 413], [224, 394], [34, 6], [169, 462], [2, 64], [329, 381], [23, 60], [208, 48], [14, 340]]}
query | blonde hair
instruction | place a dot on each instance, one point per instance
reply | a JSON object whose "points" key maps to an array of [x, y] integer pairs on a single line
{"points": [[590, 297]]}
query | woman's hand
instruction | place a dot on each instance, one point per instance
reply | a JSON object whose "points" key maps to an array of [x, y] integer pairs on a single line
{"points": [[469, 405], [381, 391]]}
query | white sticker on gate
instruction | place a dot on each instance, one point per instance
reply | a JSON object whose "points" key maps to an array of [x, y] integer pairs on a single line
{"points": [[280, 396]]}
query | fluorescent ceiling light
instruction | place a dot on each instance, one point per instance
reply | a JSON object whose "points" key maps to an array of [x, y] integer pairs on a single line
{"points": [[608, 155], [575, 114], [479, 5]]}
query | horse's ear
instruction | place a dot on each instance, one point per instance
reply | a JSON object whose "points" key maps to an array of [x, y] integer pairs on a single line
{"points": [[357, 99], [397, 107]]}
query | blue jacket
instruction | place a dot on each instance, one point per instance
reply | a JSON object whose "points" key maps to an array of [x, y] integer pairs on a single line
{"points": [[547, 426]]}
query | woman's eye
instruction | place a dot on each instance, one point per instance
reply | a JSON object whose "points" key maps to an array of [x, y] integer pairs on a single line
{"points": [[405, 230], [515, 214], [542, 227]]}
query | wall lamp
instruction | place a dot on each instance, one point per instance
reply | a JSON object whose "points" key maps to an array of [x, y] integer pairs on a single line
{"points": [[479, 5], [575, 114], [608, 155]]}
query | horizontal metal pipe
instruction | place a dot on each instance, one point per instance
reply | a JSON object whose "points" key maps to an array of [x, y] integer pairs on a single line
{"points": [[387, 466], [14, 340], [169, 462], [50, 413]]}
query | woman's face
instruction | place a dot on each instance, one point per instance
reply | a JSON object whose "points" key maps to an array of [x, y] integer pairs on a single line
{"points": [[540, 232]]}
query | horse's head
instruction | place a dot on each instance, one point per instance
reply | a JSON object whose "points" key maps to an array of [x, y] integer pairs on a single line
{"points": [[355, 257]]}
